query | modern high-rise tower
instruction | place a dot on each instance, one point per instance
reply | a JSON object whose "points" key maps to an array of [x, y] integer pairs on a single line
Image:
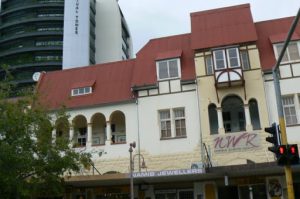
{"points": [[47, 35]]}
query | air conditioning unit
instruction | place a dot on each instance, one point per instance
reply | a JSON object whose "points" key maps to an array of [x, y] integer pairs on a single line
{"points": [[197, 165]]}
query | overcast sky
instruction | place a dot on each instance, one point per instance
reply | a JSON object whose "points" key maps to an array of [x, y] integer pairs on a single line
{"points": [[148, 19]]}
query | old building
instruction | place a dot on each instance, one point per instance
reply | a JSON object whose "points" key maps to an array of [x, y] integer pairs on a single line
{"points": [[186, 117]]}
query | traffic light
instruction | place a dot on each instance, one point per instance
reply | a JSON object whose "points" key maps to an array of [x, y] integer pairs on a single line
{"points": [[274, 139], [282, 155], [293, 154]]}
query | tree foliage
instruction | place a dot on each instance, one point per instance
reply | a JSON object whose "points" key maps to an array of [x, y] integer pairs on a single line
{"points": [[31, 163]]}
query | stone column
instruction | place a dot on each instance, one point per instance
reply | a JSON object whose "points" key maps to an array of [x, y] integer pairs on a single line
{"points": [[248, 118], [89, 135], [108, 133], [53, 135], [220, 121], [71, 138]]}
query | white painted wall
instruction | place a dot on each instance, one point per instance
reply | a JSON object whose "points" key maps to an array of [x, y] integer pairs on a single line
{"points": [[150, 125], [76, 46], [288, 87], [117, 150], [108, 32]]}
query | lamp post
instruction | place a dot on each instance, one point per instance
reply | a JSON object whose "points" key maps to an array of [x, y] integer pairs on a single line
{"points": [[131, 146]]}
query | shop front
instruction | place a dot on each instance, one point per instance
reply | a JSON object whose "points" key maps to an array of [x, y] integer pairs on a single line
{"points": [[256, 181]]}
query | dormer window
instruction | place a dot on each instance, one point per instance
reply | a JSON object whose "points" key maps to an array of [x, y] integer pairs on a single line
{"points": [[224, 58], [292, 52], [82, 88], [168, 69], [81, 91]]}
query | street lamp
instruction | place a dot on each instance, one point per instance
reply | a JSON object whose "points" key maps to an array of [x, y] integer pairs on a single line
{"points": [[131, 146], [143, 166]]}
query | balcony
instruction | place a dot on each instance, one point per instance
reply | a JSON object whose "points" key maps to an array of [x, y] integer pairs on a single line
{"points": [[31, 19], [29, 49], [228, 77], [8, 38], [31, 4]]}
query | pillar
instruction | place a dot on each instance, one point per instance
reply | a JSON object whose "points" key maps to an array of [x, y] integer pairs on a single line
{"points": [[108, 133], [89, 135], [247, 118], [53, 135], [71, 136], [220, 121]]}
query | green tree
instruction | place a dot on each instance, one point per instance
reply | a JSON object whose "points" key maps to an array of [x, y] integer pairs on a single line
{"points": [[31, 164]]}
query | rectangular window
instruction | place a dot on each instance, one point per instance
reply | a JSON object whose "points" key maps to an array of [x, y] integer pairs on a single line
{"points": [[81, 91], [219, 58], [209, 65], [168, 69], [226, 58], [165, 123], [172, 123], [245, 60], [233, 57], [291, 53], [179, 118], [289, 110]]}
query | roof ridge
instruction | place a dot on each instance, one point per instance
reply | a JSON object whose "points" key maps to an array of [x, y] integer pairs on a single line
{"points": [[221, 9], [277, 19], [91, 66]]}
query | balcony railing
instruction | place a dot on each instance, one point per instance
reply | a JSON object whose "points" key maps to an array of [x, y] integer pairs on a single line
{"points": [[229, 77], [29, 34], [29, 19], [28, 4]]}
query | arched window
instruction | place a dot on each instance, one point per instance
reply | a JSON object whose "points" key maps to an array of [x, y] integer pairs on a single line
{"points": [[118, 127], [213, 119], [98, 129], [254, 114], [233, 114], [80, 130], [62, 128]]}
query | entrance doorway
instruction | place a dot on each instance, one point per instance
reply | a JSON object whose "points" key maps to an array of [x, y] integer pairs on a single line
{"points": [[228, 192], [175, 194]]}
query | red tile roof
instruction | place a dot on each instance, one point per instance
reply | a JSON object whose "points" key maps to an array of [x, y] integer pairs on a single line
{"points": [[169, 54], [112, 84], [145, 67], [224, 26], [271, 30]]}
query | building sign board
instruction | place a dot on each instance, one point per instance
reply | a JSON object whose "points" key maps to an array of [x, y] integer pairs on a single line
{"points": [[236, 142], [177, 172]]}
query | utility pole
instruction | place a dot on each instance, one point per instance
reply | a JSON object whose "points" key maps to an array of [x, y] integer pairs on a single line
{"points": [[275, 71]]}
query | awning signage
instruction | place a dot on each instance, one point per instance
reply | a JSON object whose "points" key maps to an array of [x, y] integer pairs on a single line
{"points": [[178, 172]]}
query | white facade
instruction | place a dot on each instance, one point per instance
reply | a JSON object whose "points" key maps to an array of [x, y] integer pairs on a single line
{"points": [[287, 89], [110, 25], [110, 43], [105, 155], [150, 138], [76, 40]]}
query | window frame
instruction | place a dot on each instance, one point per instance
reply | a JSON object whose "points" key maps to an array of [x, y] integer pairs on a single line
{"points": [[226, 58], [245, 52], [179, 118], [237, 57], [207, 66], [172, 119], [215, 60], [287, 52], [168, 68], [81, 91], [165, 120], [289, 107]]}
